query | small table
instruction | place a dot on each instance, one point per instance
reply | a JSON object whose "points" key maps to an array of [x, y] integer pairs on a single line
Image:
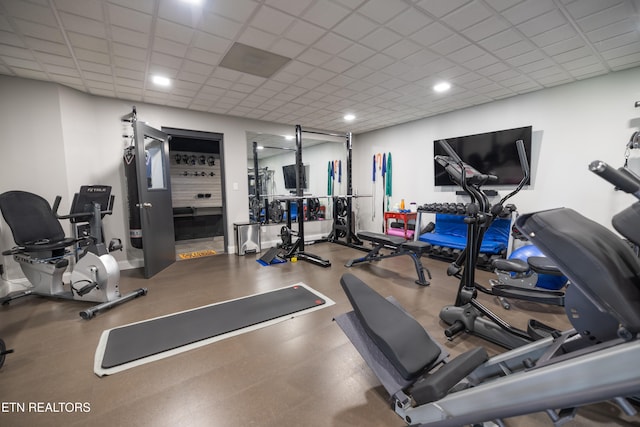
{"points": [[404, 216]]}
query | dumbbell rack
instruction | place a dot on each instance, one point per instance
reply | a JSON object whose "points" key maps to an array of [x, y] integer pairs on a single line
{"points": [[448, 253]]}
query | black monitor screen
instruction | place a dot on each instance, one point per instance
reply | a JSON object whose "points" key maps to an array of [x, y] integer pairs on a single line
{"points": [[493, 153], [289, 172]]}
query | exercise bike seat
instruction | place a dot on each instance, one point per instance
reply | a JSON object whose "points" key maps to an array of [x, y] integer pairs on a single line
{"points": [[33, 224], [513, 265], [543, 265]]}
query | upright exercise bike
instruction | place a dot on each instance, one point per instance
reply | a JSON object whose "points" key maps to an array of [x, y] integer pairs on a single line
{"points": [[42, 250]]}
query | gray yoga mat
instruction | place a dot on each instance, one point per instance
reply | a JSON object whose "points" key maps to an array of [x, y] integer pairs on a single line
{"points": [[148, 338]]}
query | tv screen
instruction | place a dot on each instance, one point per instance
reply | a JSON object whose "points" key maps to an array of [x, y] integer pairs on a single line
{"points": [[492, 153], [289, 172]]}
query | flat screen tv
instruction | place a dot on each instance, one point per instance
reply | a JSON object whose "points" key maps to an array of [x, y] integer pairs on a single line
{"points": [[289, 172], [492, 153]]}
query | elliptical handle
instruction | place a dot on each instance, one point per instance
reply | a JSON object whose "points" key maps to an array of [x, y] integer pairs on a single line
{"points": [[615, 177], [522, 154], [450, 151]]}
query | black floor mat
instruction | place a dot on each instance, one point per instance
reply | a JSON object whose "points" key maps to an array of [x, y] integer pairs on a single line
{"points": [[140, 340]]}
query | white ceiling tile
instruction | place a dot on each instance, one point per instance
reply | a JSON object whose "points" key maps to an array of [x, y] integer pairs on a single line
{"points": [[501, 40], [409, 22], [629, 49], [496, 70], [570, 55], [64, 71], [211, 43], [527, 10], [332, 43], [130, 37], [441, 8], [128, 18], [305, 33], [624, 62], [314, 57], [220, 26], [22, 63], [287, 48], [357, 53], [30, 12], [83, 41], [96, 68], [449, 45], [431, 34], [421, 58], [512, 50], [555, 35], [129, 51], [608, 16], [92, 77], [355, 26], [172, 31], [530, 68], [382, 10], [62, 61], [606, 32], [203, 56], [179, 12], [15, 52], [238, 10], [583, 8], [39, 31], [169, 47], [564, 46], [402, 49], [526, 58], [292, 7], [467, 15], [321, 75], [87, 8], [540, 24], [380, 39], [129, 63], [271, 20], [257, 38], [325, 13], [82, 25], [482, 62], [486, 28], [337, 65], [47, 46], [8, 38]]}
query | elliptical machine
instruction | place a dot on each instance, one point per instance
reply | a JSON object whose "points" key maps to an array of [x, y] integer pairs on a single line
{"points": [[468, 314], [42, 246]]}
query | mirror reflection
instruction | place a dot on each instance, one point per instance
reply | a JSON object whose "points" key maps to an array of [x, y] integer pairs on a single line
{"points": [[324, 176]]}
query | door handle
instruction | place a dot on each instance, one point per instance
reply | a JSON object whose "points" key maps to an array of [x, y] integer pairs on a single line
{"points": [[144, 205]]}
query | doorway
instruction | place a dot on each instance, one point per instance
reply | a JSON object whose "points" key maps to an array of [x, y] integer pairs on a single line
{"points": [[197, 192]]}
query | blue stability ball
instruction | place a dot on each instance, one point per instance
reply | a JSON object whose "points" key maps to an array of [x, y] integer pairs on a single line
{"points": [[546, 281]]}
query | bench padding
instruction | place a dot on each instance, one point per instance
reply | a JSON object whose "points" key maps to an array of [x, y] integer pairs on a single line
{"points": [[399, 336]]}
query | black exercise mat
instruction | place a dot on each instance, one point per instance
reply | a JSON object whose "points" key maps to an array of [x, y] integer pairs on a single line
{"points": [[148, 338]]}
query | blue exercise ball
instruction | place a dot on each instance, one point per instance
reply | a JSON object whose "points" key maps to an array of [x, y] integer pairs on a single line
{"points": [[546, 281]]}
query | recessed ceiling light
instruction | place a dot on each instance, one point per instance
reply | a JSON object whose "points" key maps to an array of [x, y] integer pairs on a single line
{"points": [[260, 147], [442, 87], [349, 117], [161, 80], [288, 137], [194, 2]]}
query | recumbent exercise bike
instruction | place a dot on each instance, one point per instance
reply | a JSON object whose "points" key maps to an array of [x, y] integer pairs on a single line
{"points": [[42, 248]]}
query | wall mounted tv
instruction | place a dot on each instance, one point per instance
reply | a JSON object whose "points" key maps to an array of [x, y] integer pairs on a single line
{"points": [[289, 172], [493, 153]]}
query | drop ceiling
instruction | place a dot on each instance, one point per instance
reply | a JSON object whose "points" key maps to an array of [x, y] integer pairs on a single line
{"points": [[377, 59]]}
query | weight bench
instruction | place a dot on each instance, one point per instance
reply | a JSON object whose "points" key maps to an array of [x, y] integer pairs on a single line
{"points": [[398, 246]]}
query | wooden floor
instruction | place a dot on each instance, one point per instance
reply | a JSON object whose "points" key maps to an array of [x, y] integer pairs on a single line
{"points": [[301, 372]]}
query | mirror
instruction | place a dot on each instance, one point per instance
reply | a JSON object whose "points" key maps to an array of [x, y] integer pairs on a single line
{"points": [[325, 175]]}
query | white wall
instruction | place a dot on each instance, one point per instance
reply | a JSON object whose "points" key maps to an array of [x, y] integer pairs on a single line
{"points": [[56, 139], [572, 124]]}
